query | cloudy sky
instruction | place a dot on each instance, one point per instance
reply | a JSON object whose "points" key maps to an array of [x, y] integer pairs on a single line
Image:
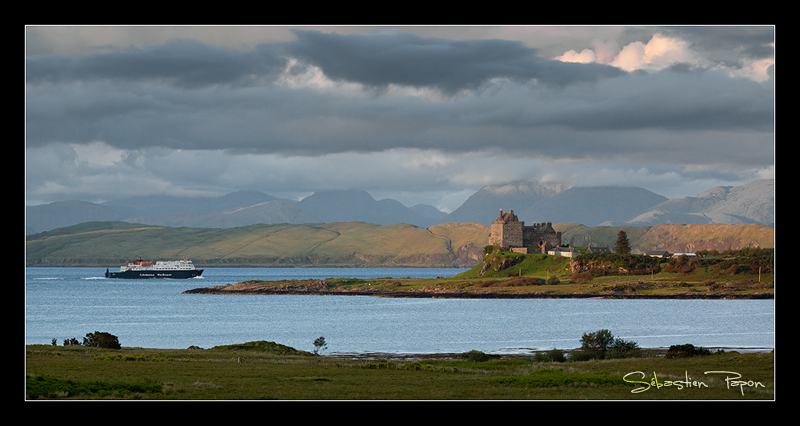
{"points": [[419, 114]]}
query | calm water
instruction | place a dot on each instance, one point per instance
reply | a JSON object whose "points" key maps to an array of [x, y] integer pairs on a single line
{"points": [[62, 303]]}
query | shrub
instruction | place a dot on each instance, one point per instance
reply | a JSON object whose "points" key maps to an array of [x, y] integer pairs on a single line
{"points": [[555, 355], [475, 356], [685, 351], [599, 341], [623, 349], [581, 355], [602, 344], [101, 340], [525, 281], [581, 277]]}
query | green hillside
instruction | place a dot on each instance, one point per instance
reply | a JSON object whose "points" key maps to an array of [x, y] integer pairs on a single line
{"points": [[333, 244], [346, 243]]}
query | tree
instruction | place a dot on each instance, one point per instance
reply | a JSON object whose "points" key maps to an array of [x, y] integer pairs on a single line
{"points": [[319, 345], [623, 245], [623, 349], [597, 342], [101, 340], [602, 344]]}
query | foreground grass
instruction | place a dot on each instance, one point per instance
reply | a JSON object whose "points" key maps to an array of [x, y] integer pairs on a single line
{"points": [[238, 372]]}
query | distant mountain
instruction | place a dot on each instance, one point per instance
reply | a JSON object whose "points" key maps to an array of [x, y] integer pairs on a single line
{"points": [[753, 203], [354, 205], [533, 202], [268, 212], [232, 210], [734, 205], [154, 206], [484, 205], [593, 206], [428, 212], [65, 213], [557, 203]]}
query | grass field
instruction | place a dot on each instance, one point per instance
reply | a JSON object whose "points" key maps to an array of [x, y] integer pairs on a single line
{"points": [[239, 372]]}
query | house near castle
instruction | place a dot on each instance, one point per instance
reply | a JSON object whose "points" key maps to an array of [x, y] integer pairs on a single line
{"points": [[509, 233], [657, 253], [564, 252], [598, 250]]}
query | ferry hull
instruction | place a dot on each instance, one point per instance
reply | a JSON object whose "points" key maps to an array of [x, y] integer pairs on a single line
{"points": [[177, 274]]}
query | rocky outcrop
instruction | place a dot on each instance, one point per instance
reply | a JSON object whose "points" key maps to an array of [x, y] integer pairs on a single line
{"points": [[322, 288]]}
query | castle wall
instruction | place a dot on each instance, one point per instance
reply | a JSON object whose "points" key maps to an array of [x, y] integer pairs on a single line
{"points": [[509, 231], [541, 235], [506, 234]]}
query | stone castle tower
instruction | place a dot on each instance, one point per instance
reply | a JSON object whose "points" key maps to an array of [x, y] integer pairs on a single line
{"points": [[509, 233]]}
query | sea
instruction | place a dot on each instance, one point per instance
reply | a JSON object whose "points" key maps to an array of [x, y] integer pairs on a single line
{"points": [[63, 303]]}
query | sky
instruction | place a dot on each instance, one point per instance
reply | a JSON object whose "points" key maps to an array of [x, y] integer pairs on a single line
{"points": [[426, 114]]}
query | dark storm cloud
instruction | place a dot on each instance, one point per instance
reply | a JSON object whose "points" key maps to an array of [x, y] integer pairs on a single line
{"points": [[183, 63], [673, 99], [381, 58], [374, 59], [390, 110], [138, 98]]}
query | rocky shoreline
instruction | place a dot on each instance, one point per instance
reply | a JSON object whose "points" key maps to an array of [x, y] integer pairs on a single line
{"points": [[394, 356], [322, 290]]}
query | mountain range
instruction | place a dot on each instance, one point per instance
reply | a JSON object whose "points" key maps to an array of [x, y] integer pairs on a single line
{"points": [[753, 203]]}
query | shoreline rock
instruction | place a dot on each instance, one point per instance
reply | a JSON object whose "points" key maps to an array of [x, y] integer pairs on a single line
{"points": [[238, 289]]}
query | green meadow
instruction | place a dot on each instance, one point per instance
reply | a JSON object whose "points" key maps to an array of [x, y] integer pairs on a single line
{"points": [[267, 371]]}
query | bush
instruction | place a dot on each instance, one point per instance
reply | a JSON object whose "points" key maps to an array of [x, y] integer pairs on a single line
{"points": [[101, 340], [599, 341], [602, 344], [623, 349], [685, 351], [525, 281], [553, 280], [581, 355], [555, 355], [475, 356], [581, 277]]}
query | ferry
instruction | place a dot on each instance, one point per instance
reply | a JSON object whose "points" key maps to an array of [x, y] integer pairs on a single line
{"points": [[161, 269]]}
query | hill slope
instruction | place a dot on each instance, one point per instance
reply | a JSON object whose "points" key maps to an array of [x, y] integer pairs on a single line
{"points": [[357, 244], [674, 238], [335, 244]]}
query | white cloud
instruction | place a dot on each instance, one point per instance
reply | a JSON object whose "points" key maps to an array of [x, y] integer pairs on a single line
{"points": [[586, 56], [97, 153], [659, 53], [656, 54]]}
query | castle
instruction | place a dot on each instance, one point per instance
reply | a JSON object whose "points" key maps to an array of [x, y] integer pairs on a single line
{"points": [[508, 232]]}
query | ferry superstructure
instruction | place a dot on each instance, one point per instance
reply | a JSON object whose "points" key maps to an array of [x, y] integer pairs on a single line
{"points": [[161, 269]]}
